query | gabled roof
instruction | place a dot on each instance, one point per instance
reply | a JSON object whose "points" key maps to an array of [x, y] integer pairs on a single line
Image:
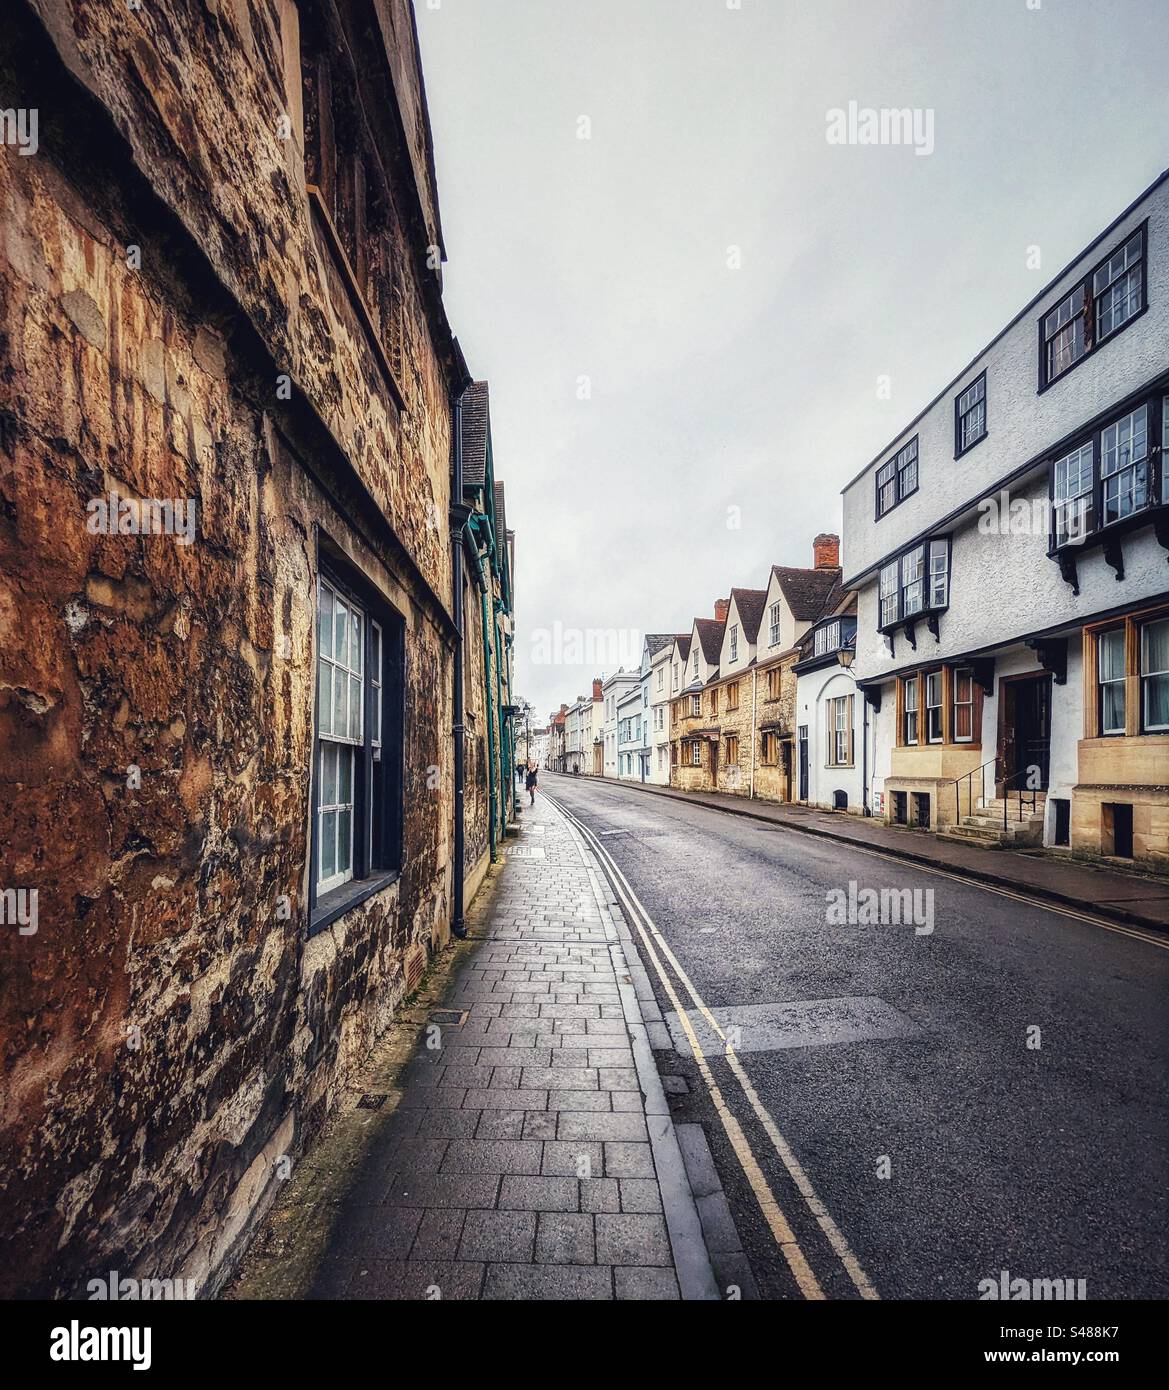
{"points": [[710, 635], [658, 640], [808, 591], [683, 641], [749, 604]]}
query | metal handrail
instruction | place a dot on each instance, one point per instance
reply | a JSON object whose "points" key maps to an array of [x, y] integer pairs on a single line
{"points": [[1034, 791], [970, 790]]}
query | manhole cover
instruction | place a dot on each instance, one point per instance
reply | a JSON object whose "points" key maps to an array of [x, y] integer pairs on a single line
{"points": [[371, 1102], [449, 1018]]}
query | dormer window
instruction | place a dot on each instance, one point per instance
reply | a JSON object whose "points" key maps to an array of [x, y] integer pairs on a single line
{"points": [[827, 639], [915, 583], [695, 665], [773, 630], [735, 642]]}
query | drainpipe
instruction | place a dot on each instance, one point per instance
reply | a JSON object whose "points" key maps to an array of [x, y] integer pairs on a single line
{"points": [[754, 724], [475, 524], [458, 522], [505, 786], [868, 810]]}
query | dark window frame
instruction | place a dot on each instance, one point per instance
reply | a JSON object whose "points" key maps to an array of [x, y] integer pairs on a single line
{"points": [[378, 819], [960, 415], [1093, 341], [928, 607], [901, 493], [1156, 415]]}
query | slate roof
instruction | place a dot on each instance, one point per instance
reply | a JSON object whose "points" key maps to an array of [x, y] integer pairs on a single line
{"points": [[710, 634], [476, 431], [749, 604], [809, 592], [658, 640], [683, 641]]}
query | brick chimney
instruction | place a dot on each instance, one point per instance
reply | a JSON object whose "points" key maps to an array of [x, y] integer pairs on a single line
{"points": [[597, 689], [722, 606], [826, 552]]}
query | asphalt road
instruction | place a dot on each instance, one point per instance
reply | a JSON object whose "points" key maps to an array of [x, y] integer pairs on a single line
{"points": [[1050, 1162]]}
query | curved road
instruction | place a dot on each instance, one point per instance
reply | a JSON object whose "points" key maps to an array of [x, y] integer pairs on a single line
{"points": [[946, 1137]]}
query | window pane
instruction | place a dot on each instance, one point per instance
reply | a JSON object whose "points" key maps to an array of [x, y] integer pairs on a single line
{"points": [[1111, 655], [1112, 712], [1155, 648], [356, 646], [328, 774], [355, 710], [325, 697], [344, 760], [344, 841], [340, 705], [341, 634], [325, 637], [1157, 702], [328, 846]]}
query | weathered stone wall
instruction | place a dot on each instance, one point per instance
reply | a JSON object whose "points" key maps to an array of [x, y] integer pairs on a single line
{"points": [[772, 781], [734, 777], [169, 1034]]}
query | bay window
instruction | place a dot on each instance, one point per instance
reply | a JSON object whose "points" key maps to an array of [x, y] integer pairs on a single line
{"points": [[1124, 455], [906, 591]]}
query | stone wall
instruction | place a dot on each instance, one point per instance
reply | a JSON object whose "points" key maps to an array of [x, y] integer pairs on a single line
{"points": [[172, 1034]]}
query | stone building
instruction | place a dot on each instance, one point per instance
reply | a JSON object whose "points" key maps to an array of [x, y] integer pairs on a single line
{"points": [[694, 728], [226, 723]]}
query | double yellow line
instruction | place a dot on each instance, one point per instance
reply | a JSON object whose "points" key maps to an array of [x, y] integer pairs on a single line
{"points": [[780, 1227]]}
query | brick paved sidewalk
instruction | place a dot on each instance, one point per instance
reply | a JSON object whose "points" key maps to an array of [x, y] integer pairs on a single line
{"points": [[529, 1151]]}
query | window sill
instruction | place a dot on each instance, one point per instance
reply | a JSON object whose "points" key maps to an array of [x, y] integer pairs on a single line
{"points": [[338, 901], [961, 454]]}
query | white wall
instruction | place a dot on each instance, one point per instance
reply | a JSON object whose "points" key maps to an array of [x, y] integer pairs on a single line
{"points": [[1021, 423], [813, 690]]}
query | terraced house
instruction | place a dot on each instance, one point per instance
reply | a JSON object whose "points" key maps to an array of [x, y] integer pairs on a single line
{"points": [[1010, 554], [796, 597], [694, 727], [233, 760]]}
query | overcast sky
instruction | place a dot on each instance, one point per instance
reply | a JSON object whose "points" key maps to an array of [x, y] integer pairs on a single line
{"points": [[756, 387]]}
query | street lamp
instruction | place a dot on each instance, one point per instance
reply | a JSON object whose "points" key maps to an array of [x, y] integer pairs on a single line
{"points": [[846, 653]]}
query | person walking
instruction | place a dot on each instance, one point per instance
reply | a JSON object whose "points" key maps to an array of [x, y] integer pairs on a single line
{"points": [[532, 782]]}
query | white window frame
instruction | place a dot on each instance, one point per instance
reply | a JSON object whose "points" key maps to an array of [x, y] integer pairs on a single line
{"points": [[1148, 675], [334, 747]]}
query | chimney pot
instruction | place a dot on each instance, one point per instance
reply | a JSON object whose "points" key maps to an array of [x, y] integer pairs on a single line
{"points": [[826, 551]]}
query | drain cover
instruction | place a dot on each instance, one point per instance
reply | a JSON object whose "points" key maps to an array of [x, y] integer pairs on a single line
{"points": [[371, 1102], [449, 1018]]}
